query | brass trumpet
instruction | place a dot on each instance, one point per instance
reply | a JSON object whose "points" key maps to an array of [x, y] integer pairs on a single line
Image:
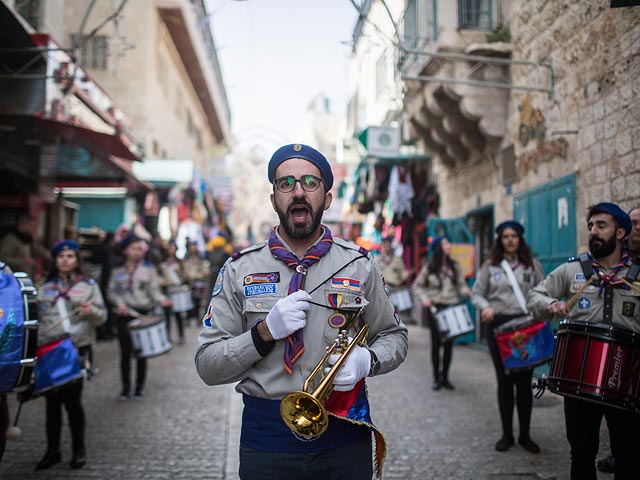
{"points": [[304, 413]]}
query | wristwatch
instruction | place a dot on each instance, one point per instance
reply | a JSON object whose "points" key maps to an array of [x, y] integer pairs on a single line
{"points": [[375, 363]]}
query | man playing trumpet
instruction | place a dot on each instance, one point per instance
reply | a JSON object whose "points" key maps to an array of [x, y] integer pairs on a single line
{"points": [[275, 308]]}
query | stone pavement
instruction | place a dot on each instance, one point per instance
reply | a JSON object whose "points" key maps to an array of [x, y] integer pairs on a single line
{"points": [[183, 429]]}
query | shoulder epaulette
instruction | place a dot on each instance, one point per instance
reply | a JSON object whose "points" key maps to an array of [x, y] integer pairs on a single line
{"points": [[351, 246], [237, 254]]}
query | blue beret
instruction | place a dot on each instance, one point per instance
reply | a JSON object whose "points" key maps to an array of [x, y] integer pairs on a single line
{"points": [[435, 241], [126, 241], [298, 150], [64, 245], [616, 212], [510, 224]]}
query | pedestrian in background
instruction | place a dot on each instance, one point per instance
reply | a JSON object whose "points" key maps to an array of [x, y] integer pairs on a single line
{"points": [[612, 301], [68, 303], [495, 299], [439, 285], [21, 252], [134, 291], [633, 241], [218, 251], [393, 268], [276, 307]]}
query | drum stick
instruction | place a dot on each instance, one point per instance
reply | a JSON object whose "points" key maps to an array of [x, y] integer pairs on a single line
{"points": [[631, 285], [13, 432], [71, 313]]}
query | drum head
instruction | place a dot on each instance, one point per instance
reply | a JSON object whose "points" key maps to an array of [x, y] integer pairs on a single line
{"points": [[143, 322]]}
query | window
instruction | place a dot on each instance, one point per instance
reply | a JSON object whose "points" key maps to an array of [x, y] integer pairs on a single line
{"points": [[30, 11], [475, 14], [382, 75], [93, 51], [419, 23]]}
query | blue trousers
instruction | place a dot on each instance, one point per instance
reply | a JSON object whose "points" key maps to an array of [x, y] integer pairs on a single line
{"points": [[353, 462]]}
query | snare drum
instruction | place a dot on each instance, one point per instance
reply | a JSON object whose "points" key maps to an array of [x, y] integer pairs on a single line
{"points": [[524, 343], [454, 321], [181, 300], [401, 299], [18, 334], [198, 289], [57, 365], [597, 362], [149, 336]]}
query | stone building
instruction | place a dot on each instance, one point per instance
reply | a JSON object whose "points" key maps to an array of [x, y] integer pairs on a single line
{"points": [[527, 110]]}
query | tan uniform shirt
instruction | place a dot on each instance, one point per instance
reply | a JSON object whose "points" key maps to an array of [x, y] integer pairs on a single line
{"points": [[247, 289], [171, 275], [567, 279], [195, 269], [142, 293], [492, 287], [60, 315], [393, 269], [439, 291]]}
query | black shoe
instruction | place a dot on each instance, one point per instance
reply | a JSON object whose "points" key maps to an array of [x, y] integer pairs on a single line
{"points": [[79, 458], [437, 385], [528, 444], [139, 395], [49, 459], [448, 385], [505, 443], [607, 464]]}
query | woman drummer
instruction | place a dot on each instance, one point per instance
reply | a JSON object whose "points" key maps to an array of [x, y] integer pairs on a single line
{"points": [[494, 298], [134, 290], [171, 277], [69, 303], [440, 284]]}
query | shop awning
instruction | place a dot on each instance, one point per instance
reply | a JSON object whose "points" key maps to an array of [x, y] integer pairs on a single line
{"points": [[164, 172]]}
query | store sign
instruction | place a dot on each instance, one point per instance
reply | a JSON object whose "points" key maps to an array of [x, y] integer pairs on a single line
{"points": [[465, 255], [383, 141]]}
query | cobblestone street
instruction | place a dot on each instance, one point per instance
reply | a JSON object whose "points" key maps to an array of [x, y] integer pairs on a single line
{"points": [[185, 430]]}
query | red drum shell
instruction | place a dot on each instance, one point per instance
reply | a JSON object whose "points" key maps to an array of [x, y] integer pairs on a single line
{"points": [[597, 362]]}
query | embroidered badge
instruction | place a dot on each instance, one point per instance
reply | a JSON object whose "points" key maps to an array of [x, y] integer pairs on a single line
{"points": [[580, 276], [526, 277], [50, 293], [207, 321], [344, 282], [260, 289], [584, 303], [628, 309], [337, 320], [217, 287], [272, 277], [496, 277]]}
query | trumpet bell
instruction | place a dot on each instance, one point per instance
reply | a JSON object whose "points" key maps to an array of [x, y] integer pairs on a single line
{"points": [[304, 414]]}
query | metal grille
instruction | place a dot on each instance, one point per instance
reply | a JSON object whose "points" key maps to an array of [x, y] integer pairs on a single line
{"points": [[475, 14]]}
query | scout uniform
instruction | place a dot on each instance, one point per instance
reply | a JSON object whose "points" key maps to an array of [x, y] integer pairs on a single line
{"points": [[246, 289], [139, 290], [196, 273], [568, 278], [393, 269], [439, 291]]}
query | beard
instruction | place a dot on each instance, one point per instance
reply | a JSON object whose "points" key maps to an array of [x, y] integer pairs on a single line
{"points": [[299, 231], [602, 248]]}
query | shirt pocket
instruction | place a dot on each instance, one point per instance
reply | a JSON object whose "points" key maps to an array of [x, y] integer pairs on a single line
{"points": [[629, 304], [256, 309]]}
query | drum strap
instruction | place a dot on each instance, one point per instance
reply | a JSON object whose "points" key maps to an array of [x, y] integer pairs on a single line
{"points": [[608, 303], [587, 268], [634, 271], [514, 284]]}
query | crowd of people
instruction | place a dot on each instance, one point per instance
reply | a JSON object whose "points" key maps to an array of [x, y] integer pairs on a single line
{"points": [[275, 307]]}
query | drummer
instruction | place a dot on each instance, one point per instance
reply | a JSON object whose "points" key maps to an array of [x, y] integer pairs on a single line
{"points": [[68, 303], [196, 272], [393, 269], [134, 290], [171, 277], [608, 300]]}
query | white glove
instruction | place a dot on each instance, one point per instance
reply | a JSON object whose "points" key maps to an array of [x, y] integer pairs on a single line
{"points": [[288, 314], [355, 368]]}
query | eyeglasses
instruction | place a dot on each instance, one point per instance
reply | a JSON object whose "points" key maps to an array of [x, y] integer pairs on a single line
{"points": [[309, 183]]}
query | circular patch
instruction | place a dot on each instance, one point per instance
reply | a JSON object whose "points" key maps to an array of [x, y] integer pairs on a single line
{"points": [[337, 320], [584, 303]]}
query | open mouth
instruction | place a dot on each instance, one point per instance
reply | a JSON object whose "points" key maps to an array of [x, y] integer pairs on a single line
{"points": [[299, 213]]}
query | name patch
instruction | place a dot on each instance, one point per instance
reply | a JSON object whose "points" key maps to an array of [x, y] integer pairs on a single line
{"points": [[580, 276], [260, 289], [272, 277], [628, 309]]}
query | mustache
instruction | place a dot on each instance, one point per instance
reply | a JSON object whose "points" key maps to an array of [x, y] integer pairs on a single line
{"points": [[299, 203]]}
